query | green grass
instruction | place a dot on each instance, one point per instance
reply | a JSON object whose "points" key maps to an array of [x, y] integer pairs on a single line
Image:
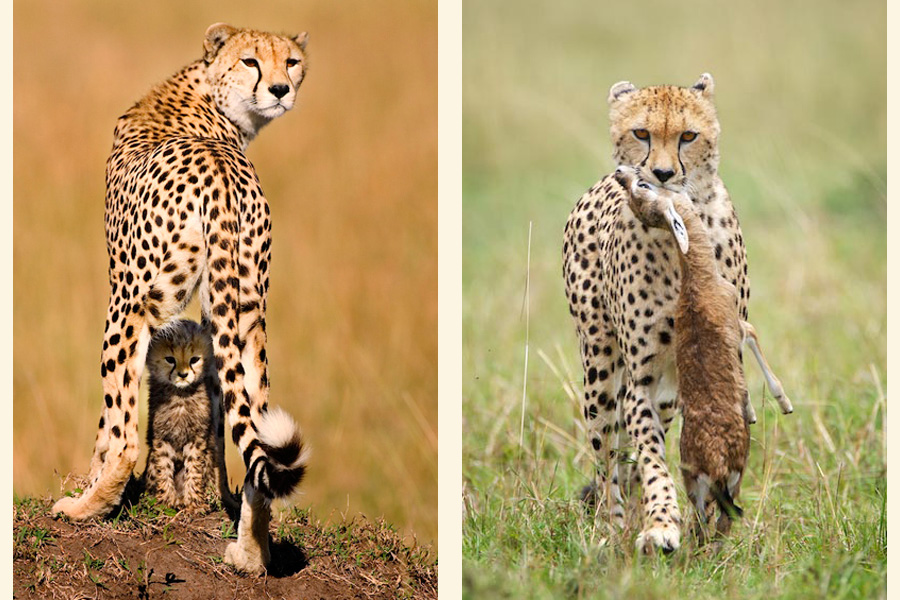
{"points": [[801, 94]]}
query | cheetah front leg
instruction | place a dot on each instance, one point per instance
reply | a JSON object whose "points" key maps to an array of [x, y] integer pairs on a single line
{"points": [[196, 471], [666, 404], [116, 445], [662, 519], [161, 473]]}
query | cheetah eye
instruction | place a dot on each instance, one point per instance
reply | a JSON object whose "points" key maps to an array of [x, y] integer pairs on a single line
{"points": [[641, 134], [170, 360], [250, 62], [292, 62], [195, 360], [688, 136]]}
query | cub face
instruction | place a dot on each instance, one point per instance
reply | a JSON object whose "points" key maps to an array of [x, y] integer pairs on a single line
{"points": [[179, 354], [254, 75], [670, 134]]}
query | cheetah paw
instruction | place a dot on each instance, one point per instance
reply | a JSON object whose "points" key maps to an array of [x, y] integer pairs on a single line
{"points": [[665, 537], [67, 506], [251, 563], [78, 508]]}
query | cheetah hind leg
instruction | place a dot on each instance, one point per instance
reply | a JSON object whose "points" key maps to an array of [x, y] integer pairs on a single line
{"points": [[231, 502], [116, 445], [250, 554]]}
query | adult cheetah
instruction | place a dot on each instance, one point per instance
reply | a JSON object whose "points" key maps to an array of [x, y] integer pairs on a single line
{"points": [[184, 211], [622, 283]]}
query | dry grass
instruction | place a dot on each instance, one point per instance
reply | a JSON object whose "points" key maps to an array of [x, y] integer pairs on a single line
{"points": [[351, 175], [150, 551]]}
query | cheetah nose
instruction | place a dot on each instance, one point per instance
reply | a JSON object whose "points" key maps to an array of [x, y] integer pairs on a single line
{"points": [[183, 375], [663, 174], [279, 90]]}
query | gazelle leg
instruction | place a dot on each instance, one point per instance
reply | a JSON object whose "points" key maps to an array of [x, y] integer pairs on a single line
{"points": [[752, 340]]}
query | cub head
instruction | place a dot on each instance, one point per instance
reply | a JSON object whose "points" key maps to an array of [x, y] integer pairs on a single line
{"points": [[670, 134], [254, 75], [179, 352]]}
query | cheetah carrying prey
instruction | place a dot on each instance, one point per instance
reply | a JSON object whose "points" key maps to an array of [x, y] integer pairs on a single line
{"points": [[184, 211], [622, 282]]}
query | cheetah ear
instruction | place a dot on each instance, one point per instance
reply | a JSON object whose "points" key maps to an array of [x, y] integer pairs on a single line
{"points": [[705, 85], [216, 36], [301, 40], [619, 89]]}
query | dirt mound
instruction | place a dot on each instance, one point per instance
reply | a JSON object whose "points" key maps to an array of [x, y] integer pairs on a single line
{"points": [[149, 551]]}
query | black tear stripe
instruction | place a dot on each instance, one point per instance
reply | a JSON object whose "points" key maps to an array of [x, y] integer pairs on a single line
{"points": [[646, 158], [258, 78], [258, 72]]}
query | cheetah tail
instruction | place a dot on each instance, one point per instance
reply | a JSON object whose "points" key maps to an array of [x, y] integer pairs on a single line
{"points": [[726, 502], [279, 474]]}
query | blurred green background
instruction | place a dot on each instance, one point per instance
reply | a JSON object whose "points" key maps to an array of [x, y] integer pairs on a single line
{"points": [[801, 94], [351, 177]]}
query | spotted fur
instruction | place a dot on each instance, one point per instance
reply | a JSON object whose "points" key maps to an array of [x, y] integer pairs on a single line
{"points": [[185, 212]]}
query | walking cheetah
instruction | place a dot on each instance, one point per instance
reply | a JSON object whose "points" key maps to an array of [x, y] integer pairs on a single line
{"points": [[184, 211], [622, 281], [712, 391], [185, 430]]}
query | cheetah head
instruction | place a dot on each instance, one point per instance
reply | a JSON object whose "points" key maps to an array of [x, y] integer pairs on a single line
{"points": [[179, 353], [670, 134], [254, 76]]}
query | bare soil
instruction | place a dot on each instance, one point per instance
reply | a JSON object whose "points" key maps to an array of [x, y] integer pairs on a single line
{"points": [[148, 551]]}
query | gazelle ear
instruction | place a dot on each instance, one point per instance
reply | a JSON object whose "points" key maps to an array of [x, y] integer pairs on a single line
{"points": [[705, 85], [619, 89], [625, 176], [216, 36], [301, 40], [676, 224]]}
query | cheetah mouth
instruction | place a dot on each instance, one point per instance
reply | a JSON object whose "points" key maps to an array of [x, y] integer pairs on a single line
{"points": [[276, 109]]}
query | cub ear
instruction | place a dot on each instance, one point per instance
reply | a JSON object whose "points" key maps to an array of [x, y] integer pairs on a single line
{"points": [[216, 36], [705, 85], [301, 40], [619, 89]]}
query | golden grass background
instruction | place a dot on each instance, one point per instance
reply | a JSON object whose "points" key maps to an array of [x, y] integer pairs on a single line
{"points": [[351, 176]]}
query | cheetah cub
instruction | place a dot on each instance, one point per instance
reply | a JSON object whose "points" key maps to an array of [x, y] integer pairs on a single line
{"points": [[715, 435], [185, 430]]}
